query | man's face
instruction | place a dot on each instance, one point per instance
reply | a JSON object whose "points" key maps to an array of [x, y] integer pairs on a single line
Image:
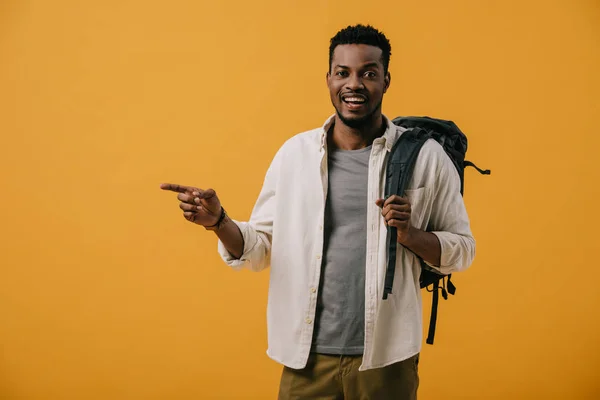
{"points": [[357, 82]]}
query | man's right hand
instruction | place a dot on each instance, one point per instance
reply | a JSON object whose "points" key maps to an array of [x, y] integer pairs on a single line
{"points": [[199, 206]]}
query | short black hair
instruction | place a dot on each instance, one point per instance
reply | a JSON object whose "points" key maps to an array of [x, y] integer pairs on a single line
{"points": [[362, 34]]}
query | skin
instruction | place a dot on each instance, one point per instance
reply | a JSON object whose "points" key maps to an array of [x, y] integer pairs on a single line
{"points": [[355, 71], [203, 207], [396, 212]]}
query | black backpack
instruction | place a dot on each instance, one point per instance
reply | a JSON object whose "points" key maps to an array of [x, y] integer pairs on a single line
{"points": [[399, 171]]}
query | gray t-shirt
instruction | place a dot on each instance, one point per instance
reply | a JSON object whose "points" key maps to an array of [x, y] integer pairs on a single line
{"points": [[340, 318]]}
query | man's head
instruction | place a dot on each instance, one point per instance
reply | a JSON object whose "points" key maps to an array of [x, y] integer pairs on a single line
{"points": [[358, 74]]}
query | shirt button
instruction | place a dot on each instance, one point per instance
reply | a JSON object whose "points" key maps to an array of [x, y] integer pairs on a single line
{"points": [[313, 290], [308, 321], [320, 227], [318, 257]]}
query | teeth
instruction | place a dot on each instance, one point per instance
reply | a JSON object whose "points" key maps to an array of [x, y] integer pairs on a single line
{"points": [[354, 99]]}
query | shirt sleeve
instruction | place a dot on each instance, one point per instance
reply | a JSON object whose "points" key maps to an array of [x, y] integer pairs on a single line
{"points": [[449, 220], [257, 232]]}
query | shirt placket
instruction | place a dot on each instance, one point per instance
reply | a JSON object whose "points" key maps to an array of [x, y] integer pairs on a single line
{"points": [[316, 260], [375, 165]]}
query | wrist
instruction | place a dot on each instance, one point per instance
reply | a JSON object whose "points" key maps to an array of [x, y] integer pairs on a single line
{"points": [[220, 222], [408, 238]]}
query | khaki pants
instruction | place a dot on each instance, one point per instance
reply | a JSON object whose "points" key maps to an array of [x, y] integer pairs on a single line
{"points": [[337, 378]]}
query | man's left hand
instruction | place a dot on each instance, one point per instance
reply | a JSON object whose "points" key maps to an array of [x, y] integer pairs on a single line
{"points": [[396, 212]]}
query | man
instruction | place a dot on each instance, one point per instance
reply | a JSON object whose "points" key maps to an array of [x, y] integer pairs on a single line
{"points": [[320, 223]]}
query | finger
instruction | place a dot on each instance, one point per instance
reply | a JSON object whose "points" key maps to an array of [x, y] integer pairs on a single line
{"points": [[189, 207], [176, 188], [389, 212], [395, 199], [204, 194], [190, 216], [398, 224], [186, 198], [401, 216], [395, 207]]}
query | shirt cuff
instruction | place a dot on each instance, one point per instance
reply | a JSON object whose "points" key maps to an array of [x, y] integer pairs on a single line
{"points": [[456, 252], [249, 237]]}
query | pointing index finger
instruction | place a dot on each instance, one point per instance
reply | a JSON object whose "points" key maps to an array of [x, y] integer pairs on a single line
{"points": [[176, 188]]}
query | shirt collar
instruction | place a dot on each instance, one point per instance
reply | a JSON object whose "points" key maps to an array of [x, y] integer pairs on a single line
{"points": [[389, 137]]}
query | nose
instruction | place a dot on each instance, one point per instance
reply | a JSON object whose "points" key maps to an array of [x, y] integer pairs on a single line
{"points": [[354, 82]]}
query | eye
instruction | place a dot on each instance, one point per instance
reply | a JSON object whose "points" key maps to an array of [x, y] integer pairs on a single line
{"points": [[370, 74], [342, 73]]}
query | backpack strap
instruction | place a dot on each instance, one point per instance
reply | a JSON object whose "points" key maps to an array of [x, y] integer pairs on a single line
{"points": [[446, 288], [434, 308], [481, 171], [400, 166]]}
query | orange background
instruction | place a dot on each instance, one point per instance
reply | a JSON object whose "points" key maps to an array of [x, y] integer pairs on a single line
{"points": [[106, 292]]}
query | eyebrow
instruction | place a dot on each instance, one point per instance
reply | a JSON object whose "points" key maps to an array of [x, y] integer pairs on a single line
{"points": [[368, 65]]}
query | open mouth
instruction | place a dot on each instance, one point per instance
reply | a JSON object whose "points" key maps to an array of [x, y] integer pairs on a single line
{"points": [[354, 102]]}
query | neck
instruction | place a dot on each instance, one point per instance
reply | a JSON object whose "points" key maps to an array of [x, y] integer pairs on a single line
{"points": [[347, 138]]}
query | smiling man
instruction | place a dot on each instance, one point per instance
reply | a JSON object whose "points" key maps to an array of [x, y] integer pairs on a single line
{"points": [[320, 224]]}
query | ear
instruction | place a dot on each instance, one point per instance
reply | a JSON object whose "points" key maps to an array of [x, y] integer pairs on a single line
{"points": [[327, 77], [387, 80]]}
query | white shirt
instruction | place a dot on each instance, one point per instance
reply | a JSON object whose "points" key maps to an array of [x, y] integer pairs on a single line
{"points": [[285, 231]]}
